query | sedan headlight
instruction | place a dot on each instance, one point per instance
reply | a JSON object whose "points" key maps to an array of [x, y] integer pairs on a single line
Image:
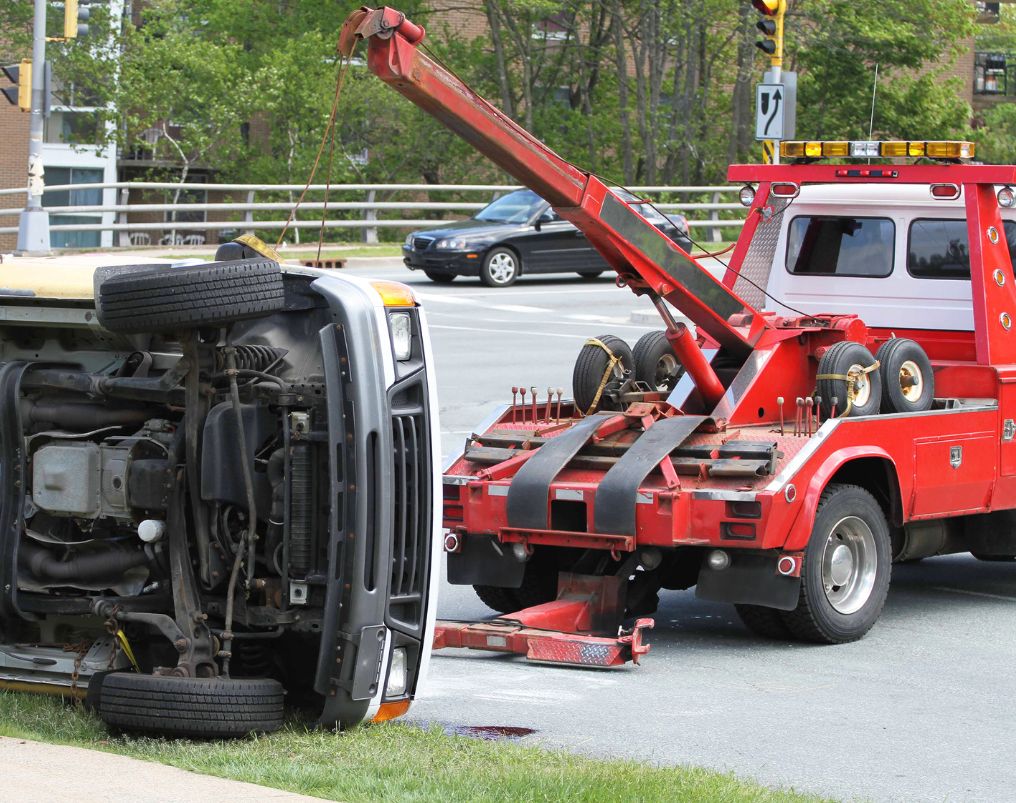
{"points": [[397, 674], [402, 335], [409, 240], [452, 244]]}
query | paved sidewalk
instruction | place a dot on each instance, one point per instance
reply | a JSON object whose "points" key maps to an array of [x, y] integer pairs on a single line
{"points": [[44, 773]]}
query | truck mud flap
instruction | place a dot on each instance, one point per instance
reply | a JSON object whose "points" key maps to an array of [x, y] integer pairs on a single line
{"points": [[614, 509], [529, 493]]}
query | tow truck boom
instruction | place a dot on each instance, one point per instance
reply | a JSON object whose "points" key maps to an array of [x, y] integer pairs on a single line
{"points": [[644, 258]]}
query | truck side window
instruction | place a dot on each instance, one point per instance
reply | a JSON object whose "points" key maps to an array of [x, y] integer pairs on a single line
{"points": [[939, 249], [821, 245]]}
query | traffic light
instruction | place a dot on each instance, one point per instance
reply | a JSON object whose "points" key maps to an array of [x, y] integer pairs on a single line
{"points": [[771, 27], [75, 19], [20, 94]]}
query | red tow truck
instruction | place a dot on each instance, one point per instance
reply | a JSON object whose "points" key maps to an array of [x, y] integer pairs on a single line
{"points": [[783, 454]]}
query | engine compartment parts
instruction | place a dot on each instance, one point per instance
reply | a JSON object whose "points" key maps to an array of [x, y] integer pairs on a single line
{"points": [[205, 499]]}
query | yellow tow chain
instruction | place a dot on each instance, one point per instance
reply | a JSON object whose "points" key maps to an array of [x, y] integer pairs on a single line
{"points": [[612, 363], [851, 382]]}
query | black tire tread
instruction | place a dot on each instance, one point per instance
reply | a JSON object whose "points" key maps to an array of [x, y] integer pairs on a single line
{"points": [[886, 355], [590, 365], [831, 363], [646, 354], [170, 299], [502, 600], [765, 622], [195, 707]]}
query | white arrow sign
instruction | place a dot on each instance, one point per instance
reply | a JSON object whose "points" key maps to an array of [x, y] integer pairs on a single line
{"points": [[770, 110]]}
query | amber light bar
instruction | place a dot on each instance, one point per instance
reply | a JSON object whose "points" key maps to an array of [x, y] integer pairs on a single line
{"points": [[865, 149]]}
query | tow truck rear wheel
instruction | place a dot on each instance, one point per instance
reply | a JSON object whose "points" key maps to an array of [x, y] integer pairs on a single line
{"points": [[655, 362], [846, 570], [590, 367], [762, 621], [502, 600]]}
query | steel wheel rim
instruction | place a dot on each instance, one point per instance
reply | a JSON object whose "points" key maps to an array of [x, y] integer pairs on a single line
{"points": [[861, 385], [911, 381], [666, 370], [501, 268], [849, 565]]}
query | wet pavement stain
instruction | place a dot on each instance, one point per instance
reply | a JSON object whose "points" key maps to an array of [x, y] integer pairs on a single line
{"points": [[489, 733]]}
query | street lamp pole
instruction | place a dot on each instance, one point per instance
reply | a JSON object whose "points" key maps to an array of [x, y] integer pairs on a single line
{"points": [[33, 227]]}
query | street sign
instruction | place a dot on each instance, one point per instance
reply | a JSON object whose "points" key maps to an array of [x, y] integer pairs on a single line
{"points": [[770, 110]]}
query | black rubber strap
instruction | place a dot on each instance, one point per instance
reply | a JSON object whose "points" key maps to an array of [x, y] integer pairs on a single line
{"points": [[529, 493], [615, 495]]}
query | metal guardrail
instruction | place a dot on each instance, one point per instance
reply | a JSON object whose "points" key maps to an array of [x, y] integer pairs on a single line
{"points": [[240, 213]]}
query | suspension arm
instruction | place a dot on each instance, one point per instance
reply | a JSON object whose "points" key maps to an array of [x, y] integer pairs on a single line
{"points": [[646, 259]]}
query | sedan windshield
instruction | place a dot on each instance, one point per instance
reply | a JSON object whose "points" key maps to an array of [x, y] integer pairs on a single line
{"points": [[515, 207]]}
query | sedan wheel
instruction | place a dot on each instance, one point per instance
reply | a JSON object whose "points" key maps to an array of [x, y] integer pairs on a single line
{"points": [[500, 268]]}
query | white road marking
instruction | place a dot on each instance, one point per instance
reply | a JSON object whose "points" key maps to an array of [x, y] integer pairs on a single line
{"points": [[433, 299], [507, 331], [975, 593], [517, 308], [605, 321]]}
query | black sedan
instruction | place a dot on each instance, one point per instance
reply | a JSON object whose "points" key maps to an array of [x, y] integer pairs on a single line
{"points": [[518, 234]]}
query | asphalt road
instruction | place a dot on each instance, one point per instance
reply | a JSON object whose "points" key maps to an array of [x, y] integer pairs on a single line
{"points": [[921, 709]]}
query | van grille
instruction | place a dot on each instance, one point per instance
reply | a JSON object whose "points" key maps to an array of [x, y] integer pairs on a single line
{"points": [[412, 519]]}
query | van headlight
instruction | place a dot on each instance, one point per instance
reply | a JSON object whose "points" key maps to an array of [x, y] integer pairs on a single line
{"points": [[402, 335], [397, 673]]}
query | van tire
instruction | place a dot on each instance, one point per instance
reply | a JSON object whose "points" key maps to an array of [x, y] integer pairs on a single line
{"points": [[203, 708], [137, 299]]}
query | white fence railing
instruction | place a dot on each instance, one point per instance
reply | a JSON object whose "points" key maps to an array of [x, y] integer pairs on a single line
{"points": [[130, 218]]}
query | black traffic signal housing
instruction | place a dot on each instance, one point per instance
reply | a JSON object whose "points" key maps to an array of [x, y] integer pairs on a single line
{"points": [[771, 26], [20, 94], [75, 19]]}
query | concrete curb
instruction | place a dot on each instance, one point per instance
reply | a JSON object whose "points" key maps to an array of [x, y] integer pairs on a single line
{"points": [[34, 772]]}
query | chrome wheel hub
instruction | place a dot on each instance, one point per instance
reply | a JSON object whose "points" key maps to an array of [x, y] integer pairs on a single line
{"points": [[502, 268], [849, 565]]}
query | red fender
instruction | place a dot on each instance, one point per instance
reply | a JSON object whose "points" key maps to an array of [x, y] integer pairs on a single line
{"points": [[800, 529]]}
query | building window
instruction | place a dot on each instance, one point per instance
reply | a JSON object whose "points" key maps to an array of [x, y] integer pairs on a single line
{"points": [[56, 176], [991, 73]]}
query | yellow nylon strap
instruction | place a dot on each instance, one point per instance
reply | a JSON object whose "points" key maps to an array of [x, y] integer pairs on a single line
{"points": [[126, 645], [851, 392], [612, 361]]}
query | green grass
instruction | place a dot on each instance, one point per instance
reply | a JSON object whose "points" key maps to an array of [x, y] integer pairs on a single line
{"points": [[389, 762]]}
